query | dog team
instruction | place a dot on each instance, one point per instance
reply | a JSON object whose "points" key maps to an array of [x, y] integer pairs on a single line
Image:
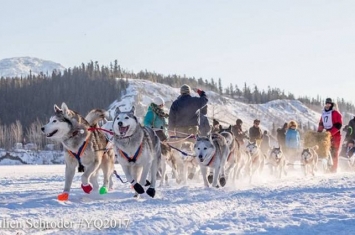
{"points": [[181, 139]]}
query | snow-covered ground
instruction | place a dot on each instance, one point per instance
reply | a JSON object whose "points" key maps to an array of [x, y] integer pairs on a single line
{"points": [[323, 204]]}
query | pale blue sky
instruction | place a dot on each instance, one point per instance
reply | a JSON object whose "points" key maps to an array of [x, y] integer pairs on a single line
{"points": [[304, 47]]}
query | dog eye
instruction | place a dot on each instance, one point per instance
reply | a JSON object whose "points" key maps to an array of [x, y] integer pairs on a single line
{"points": [[204, 148], [126, 118], [54, 120]]}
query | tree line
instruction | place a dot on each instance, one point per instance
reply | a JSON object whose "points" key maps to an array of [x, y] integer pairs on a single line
{"points": [[26, 103]]}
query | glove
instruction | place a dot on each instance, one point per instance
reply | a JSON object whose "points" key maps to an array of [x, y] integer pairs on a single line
{"points": [[200, 92]]}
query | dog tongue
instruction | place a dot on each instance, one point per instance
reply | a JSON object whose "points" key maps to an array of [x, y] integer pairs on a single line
{"points": [[123, 130]]}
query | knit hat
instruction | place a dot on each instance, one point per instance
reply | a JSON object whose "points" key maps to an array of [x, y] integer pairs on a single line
{"points": [[328, 101], [158, 100], [215, 122], [185, 89]]}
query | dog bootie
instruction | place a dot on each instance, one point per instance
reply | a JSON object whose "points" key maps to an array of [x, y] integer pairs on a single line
{"points": [[138, 188], [191, 176], [210, 178], [63, 197], [151, 192], [87, 188], [147, 183], [103, 190], [222, 181]]}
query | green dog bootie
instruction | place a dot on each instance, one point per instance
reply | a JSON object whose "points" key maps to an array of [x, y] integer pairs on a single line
{"points": [[103, 190]]}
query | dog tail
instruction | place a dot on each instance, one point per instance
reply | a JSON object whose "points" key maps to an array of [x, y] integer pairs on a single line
{"points": [[95, 115], [315, 147]]}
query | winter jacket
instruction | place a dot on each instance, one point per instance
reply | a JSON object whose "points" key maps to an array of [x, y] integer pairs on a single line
{"points": [[255, 133], [184, 111], [293, 139], [350, 135], [281, 136], [154, 121], [238, 133], [331, 120]]}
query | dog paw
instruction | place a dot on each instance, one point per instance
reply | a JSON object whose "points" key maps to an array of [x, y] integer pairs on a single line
{"points": [[63, 197], [86, 188], [210, 178], [151, 192], [103, 190], [178, 180], [147, 183], [138, 188], [191, 176], [217, 186], [222, 181]]}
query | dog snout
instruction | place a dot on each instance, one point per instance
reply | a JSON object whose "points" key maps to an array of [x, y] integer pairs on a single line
{"points": [[120, 123], [200, 156], [42, 128]]}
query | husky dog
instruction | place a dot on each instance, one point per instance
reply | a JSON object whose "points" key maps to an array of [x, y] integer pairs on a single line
{"points": [[138, 150], [233, 146], [309, 160], [84, 146], [256, 159], [168, 157], [277, 162], [212, 153]]}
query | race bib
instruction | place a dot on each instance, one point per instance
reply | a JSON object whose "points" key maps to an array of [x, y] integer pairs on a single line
{"points": [[327, 119]]}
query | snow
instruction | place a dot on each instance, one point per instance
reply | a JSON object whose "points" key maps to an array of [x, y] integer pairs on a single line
{"points": [[292, 205], [140, 93], [21, 66]]}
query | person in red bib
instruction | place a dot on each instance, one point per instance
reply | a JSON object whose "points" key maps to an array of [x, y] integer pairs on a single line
{"points": [[332, 121]]}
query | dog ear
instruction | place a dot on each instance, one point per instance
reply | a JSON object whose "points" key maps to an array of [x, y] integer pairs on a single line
{"points": [[230, 128], [117, 110], [65, 109], [57, 109], [133, 109]]}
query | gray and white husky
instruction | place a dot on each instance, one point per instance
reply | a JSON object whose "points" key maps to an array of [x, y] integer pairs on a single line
{"points": [[138, 150], [84, 146], [212, 153], [256, 159], [277, 162]]}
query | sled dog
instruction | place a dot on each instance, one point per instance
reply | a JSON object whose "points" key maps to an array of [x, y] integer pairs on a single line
{"points": [[256, 159], [309, 160], [138, 151], [212, 153], [277, 162], [84, 146]]}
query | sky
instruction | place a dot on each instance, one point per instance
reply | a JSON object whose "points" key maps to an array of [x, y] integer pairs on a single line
{"points": [[303, 47]]}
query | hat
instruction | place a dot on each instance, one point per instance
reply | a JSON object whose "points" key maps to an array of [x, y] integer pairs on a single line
{"points": [[185, 89], [328, 101], [239, 121], [292, 123], [215, 122], [158, 100], [256, 121]]}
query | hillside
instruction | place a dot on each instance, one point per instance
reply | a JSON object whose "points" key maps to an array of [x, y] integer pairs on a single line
{"points": [[21, 67], [141, 92]]}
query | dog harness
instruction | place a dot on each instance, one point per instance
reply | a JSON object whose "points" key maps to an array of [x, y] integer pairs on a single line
{"points": [[212, 159], [79, 153], [135, 156]]}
